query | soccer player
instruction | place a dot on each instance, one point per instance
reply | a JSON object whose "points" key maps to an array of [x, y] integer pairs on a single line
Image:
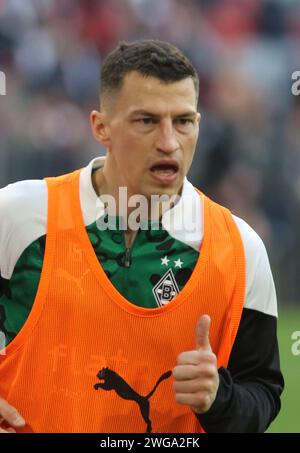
{"points": [[124, 312]]}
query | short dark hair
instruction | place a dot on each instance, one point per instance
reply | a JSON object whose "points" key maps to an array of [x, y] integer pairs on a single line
{"points": [[151, 58]]}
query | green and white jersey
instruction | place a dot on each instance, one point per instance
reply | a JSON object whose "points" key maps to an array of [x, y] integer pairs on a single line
{"points": [[150, 274]]}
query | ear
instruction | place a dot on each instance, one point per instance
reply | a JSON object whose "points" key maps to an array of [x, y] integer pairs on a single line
{"points": [[100, 128], [198, 118]]}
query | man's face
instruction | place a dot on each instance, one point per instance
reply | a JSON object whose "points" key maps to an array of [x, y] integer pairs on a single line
{"points": [[152, 130]]}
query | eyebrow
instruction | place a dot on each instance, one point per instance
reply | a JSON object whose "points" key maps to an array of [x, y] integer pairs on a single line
{"points": [[189, 113]]}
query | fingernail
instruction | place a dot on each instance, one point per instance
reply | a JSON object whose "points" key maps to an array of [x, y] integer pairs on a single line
{"points": [[19, 421]]}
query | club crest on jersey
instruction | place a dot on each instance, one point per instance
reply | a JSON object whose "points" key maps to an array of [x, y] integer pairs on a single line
{"points": [[165, 289]]}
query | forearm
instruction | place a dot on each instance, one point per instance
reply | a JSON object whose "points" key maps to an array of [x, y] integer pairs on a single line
{"points": [[248, 398], [247, 407]]}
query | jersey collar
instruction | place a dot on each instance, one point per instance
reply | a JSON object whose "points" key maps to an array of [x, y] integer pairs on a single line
{"points": [[183, 221]]}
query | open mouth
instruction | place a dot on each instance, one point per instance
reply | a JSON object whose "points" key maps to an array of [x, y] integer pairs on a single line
{"points": [[164, 172]]}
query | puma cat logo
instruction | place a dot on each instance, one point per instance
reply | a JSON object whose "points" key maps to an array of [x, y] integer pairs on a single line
{"points": [[113, 381], [76, 280]]}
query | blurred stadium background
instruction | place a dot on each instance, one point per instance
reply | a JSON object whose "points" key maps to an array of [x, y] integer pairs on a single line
{"points": [[248, 155]]}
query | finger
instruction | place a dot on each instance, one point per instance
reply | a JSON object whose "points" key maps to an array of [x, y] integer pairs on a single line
{"points": [[185, 372], [188, 358], [10, 414], [193, 386], [10, 430], [7, 431], [195, 357], [199, 401], [202, 333]]}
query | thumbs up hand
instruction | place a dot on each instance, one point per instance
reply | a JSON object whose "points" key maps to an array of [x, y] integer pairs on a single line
{"points": [[196, 374]]}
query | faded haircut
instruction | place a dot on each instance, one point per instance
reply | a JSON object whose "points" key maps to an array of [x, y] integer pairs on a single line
{"points": [[151, 58]]}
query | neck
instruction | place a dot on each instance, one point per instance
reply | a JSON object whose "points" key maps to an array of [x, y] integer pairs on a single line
{"points": [[106, 182]]}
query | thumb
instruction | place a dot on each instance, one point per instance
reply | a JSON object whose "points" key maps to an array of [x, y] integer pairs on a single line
{"points": [[202, 333]]}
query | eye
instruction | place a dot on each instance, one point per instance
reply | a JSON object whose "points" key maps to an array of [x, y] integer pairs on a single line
{"points": [[184, 121], [147, 120]]}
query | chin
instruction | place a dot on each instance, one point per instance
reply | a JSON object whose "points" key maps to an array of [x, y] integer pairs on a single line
{"points": [[162, 190]]}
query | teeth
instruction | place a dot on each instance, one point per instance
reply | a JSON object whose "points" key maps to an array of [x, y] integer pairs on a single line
{"points": [[165, 172]]}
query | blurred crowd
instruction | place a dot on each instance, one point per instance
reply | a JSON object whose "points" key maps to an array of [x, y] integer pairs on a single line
{"points": [[248, 155]]}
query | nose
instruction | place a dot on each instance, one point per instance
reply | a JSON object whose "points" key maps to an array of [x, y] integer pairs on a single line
{"points": [[166, 140]]}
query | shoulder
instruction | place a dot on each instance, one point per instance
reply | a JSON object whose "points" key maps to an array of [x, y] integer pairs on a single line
{"points": [[23, 212], [260, 289], [251, 240], [20, 199]]}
